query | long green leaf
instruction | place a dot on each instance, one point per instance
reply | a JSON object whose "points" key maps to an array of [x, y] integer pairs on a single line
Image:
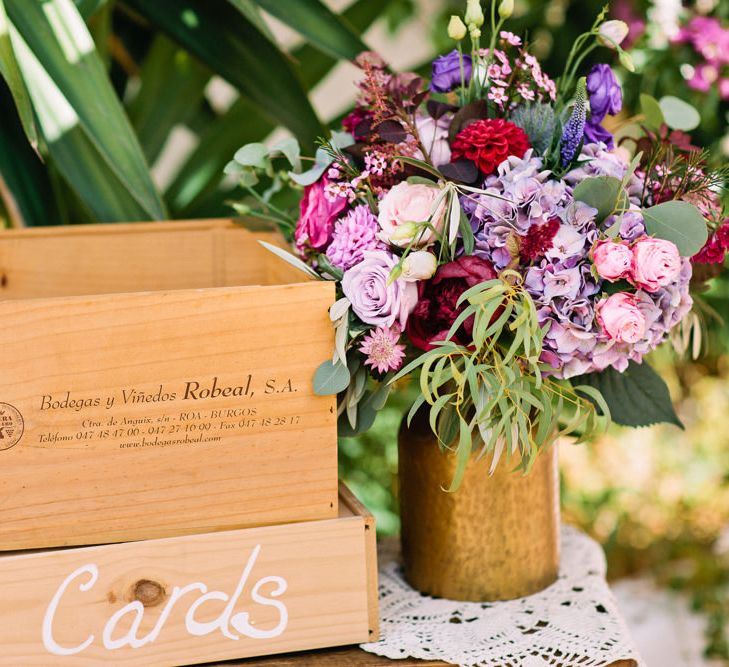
{"points": [[24, 175], [10, 71], [322, 27], [360, 15], [219, 35], [72, 95], [173, 84], [250, 10], [88, 8]]}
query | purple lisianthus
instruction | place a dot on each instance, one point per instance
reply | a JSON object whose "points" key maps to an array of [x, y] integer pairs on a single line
{"points": [[355, 233], [596, 133], [376, 300], [606, 96], [447, 72]]}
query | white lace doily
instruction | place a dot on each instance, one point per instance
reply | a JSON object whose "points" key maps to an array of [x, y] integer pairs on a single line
{"points": [[572, 623]]}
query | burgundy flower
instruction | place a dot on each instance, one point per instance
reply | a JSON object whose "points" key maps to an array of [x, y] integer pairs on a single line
{"points": [[715, 248], [488, 142], [436, 309], [538, 240]]}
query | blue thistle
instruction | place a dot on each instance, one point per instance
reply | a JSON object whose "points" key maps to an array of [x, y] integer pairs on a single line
{"points": [[574, 129], [538, 121]]}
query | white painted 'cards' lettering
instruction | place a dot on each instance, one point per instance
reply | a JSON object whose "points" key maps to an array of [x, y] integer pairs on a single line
{"points": [[230, 624]]}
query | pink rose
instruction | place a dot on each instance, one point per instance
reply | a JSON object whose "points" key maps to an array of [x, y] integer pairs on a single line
{"points": [[408, 214], [656, 263], [612, 259], [620, 318], [317, 216]]}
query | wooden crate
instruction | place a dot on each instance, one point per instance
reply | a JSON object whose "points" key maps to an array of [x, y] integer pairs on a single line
{"points": [[176, 399], [192, 599]]}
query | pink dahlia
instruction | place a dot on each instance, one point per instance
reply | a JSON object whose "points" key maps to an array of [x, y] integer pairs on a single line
{"points": [[353, 234], [382, 349]]}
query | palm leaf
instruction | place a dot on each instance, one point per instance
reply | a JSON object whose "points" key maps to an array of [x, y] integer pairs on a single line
{"points": [[322, 27], [227, 42], [11, 73], [173, 83], [78, 111], [28, 193]]}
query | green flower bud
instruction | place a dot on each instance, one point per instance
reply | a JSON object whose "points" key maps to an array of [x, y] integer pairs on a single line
{"points": [[626, 61], [506, 8], [474, 14], [456, 28]]}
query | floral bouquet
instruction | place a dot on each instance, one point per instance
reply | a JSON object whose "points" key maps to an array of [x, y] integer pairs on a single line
{"points": [[488, 234]]}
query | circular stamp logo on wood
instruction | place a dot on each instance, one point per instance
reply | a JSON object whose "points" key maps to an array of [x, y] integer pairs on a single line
{"points": [[11, 426]]}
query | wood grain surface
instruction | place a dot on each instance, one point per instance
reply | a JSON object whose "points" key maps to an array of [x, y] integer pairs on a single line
{"points": [[94, 603], [150, 414]]}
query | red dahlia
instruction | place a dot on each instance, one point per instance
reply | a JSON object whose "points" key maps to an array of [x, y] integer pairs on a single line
{"points": [[489, 142]]}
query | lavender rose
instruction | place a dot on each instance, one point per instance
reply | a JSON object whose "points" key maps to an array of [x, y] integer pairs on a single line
{"points": [[447, 72], [317, 216], [373, 300]]}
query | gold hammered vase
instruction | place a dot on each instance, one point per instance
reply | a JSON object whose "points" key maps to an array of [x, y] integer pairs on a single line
{"points": [[495, 538]]}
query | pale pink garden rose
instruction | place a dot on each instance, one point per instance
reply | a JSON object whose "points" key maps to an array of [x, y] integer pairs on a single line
{"points": [[408, 215], [656, 263], [620, 318], [612, 259]]}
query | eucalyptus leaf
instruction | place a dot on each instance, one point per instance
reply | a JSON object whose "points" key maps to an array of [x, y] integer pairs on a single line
{"points": [[600, 192], [331, 378], [651, 111], [679, 222], [322, 160], [290, 148], [679, 115], [252, 155]]}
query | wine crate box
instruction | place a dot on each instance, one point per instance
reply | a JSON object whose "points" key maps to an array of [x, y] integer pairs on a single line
{"points": [[198, 598], [157, 381]]}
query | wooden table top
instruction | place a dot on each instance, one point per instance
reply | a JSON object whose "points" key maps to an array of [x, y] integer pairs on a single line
{"points": [[349, 656]]}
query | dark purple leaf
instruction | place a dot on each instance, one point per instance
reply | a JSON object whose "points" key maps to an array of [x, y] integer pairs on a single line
{"points": [[437, 109], [461, 171], [467, 115], [363, 129], [392, 131]]}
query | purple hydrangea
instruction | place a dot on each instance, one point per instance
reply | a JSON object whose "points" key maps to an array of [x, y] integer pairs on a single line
{"points": [[355, 233], [562, 283]]}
